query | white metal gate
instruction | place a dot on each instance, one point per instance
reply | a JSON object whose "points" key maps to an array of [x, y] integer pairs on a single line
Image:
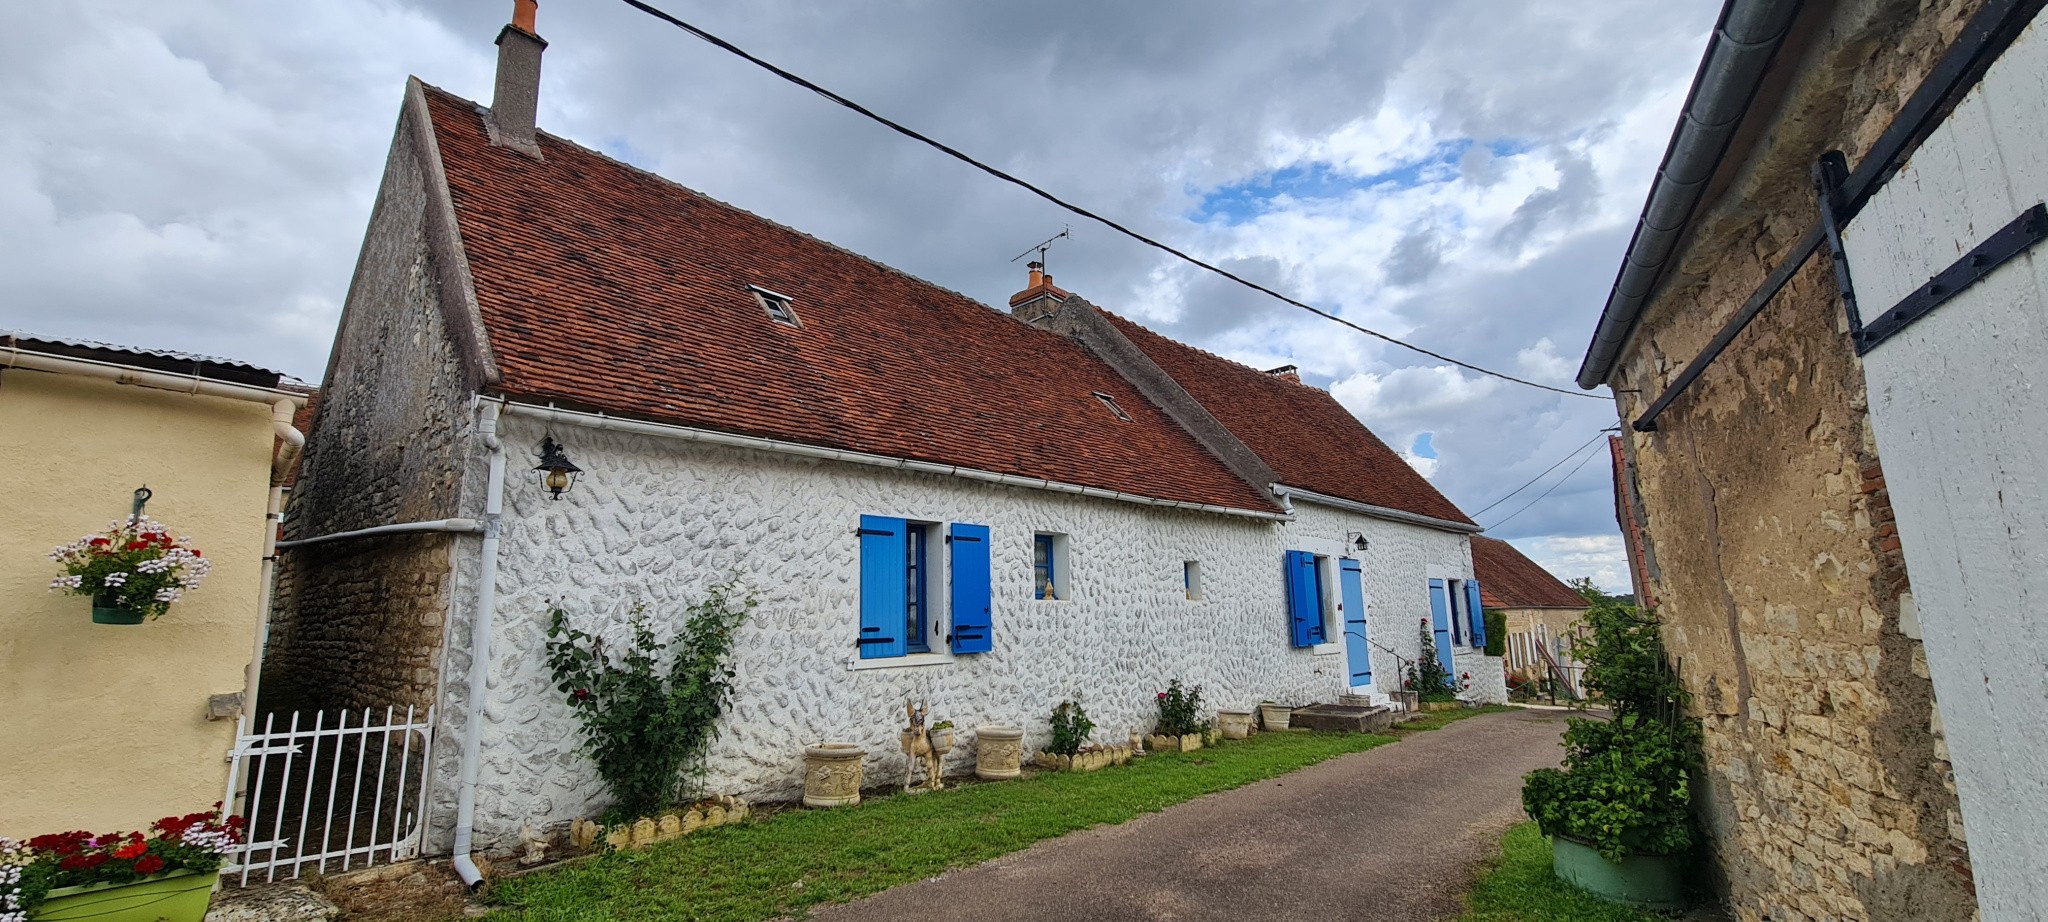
{"points": [[350, 794]]}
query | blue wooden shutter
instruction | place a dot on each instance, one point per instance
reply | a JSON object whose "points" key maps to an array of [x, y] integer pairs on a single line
{"points": [[1358, 656], [882, 587], [973, 625], [1304, 614], [1440, 627], [1475, 612]]}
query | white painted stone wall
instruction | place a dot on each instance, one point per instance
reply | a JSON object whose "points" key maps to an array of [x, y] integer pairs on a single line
{"points": [[654, 520], [1959, 402]]}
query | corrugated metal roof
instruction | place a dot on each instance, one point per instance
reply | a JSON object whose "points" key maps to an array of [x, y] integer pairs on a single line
{"points": [[169, 360]]}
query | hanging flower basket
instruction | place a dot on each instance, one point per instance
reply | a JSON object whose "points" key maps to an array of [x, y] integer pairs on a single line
{"points": [[133, 571]]}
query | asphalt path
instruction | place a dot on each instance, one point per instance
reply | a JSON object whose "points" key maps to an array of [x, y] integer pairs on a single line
{"points": [[1392, 834]]}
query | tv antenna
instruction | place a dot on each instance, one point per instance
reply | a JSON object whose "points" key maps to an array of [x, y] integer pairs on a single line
{"points": [[1066, 231]]}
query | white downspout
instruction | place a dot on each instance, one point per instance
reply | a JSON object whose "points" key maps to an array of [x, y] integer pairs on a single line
{"points": [[480, 648], [293, 441]]}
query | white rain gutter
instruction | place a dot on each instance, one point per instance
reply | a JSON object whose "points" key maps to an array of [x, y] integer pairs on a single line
{"points": [[480, 648], [293, 441], [689, 434], [17, 357], [1289, 494], [455, 526]]}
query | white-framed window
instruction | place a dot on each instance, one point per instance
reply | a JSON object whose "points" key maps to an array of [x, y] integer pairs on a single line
{"points": [[781, 308], [1051, 575], [1191, 579]]}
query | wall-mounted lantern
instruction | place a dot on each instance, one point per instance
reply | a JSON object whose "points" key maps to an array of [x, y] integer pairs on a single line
{"points": [[558, 473], [1357, 540]]}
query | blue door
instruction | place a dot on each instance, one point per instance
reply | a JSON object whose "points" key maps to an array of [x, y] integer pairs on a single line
{"points": [[1440, 626], [1357, 655]]}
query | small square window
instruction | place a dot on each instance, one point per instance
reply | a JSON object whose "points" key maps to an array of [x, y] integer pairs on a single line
{"points": [[1191, 579], [1049, 580], [1110, 402], [780, 307]]}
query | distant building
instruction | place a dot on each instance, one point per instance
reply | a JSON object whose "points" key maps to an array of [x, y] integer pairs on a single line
{"points": [[1542, 614]]}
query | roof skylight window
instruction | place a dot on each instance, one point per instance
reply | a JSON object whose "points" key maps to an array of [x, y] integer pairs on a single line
{"points": [[1110, 402], [780, 307]]}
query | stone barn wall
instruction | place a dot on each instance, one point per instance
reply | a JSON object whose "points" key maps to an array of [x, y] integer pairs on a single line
{"points": [[1778, 573]]}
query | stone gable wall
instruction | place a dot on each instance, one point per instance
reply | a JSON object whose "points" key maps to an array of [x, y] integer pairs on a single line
{"points": [[1779, 579], [358, 623]]}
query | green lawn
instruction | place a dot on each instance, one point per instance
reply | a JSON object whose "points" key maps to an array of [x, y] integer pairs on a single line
{"points": [[1520, 887], [791, 860]]}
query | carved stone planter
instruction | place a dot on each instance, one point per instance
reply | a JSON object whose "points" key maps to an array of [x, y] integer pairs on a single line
{"points": [[832, 773], [998, 752], [1235, 725], [1442, 705], [1274, 716]]}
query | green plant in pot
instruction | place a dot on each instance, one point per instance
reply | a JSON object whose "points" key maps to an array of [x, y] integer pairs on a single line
{"points": [[1620, 811]]}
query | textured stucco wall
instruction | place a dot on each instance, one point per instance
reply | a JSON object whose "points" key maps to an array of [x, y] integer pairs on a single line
{"points": [[105, 726], [655, 520], [1957, 407], [1778, 577], [358, 623]]}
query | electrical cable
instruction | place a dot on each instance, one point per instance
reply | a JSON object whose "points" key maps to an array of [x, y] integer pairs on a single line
{"points": [[1554, 486], [1546, 471], [724, 45]]}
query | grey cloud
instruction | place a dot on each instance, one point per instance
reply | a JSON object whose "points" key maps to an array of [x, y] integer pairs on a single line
{"points": [[1576, 192], [1416, 257]]}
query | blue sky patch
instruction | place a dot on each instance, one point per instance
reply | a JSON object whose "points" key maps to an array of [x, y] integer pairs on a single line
{"points": [[1425, 445], [1246, 199]]}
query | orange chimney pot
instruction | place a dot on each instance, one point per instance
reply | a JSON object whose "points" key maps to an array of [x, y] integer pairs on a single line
{"points": [[522, 15]]}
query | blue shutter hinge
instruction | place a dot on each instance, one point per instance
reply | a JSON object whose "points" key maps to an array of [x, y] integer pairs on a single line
{"points": [[864, 532]]}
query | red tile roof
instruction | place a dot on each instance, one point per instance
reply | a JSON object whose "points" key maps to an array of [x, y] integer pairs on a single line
{"points": [[1301, 432], [603, 286], [1509, 580]]}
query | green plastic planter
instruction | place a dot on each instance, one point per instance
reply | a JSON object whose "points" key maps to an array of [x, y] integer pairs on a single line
{"points": [[107, 609], [1649, 881], [176, 897]]}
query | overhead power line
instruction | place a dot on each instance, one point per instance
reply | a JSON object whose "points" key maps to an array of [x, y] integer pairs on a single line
{"points": [[914, 135], [1554, 486], [1546, 472]]}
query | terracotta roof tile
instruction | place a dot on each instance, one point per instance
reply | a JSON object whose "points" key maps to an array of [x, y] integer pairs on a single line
{"points": [[1301, 432], [607, 287], [1507, 579]]}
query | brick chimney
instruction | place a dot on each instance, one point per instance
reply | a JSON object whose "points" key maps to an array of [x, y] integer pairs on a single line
{"points": [[1290, 372], [1038, 297], [517, 95]]}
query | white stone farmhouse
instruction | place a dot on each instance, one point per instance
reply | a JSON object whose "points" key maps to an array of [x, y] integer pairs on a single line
{"points": [[936, 500]]}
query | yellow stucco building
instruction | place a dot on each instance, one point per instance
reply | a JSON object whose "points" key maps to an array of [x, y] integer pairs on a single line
{"points": [[111, 727]]}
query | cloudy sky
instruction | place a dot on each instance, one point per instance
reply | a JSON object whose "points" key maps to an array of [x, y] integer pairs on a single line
{"points": [[1460, 174]]}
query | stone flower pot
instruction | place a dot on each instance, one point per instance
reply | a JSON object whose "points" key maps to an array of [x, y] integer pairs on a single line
{"points": [[832, 773], [1274, 716], [1649, 881], [942, 740], [1236, 725], [998, 752]]}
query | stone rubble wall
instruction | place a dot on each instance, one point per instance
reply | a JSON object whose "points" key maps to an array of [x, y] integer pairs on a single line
{"points": [[1827, 795]]}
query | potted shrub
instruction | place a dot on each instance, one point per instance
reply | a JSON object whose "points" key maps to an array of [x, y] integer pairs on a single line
{"points": [[133, 571], [167, 873], [1619, 813], [1180, 719], [1427, 678]]}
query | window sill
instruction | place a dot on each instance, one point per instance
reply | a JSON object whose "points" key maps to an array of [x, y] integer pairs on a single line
{"points": [[900, 662], [1326, 649]]}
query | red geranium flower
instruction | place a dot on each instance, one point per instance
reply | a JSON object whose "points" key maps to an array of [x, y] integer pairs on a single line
{"points": [[132, 850], [150, 864]]}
